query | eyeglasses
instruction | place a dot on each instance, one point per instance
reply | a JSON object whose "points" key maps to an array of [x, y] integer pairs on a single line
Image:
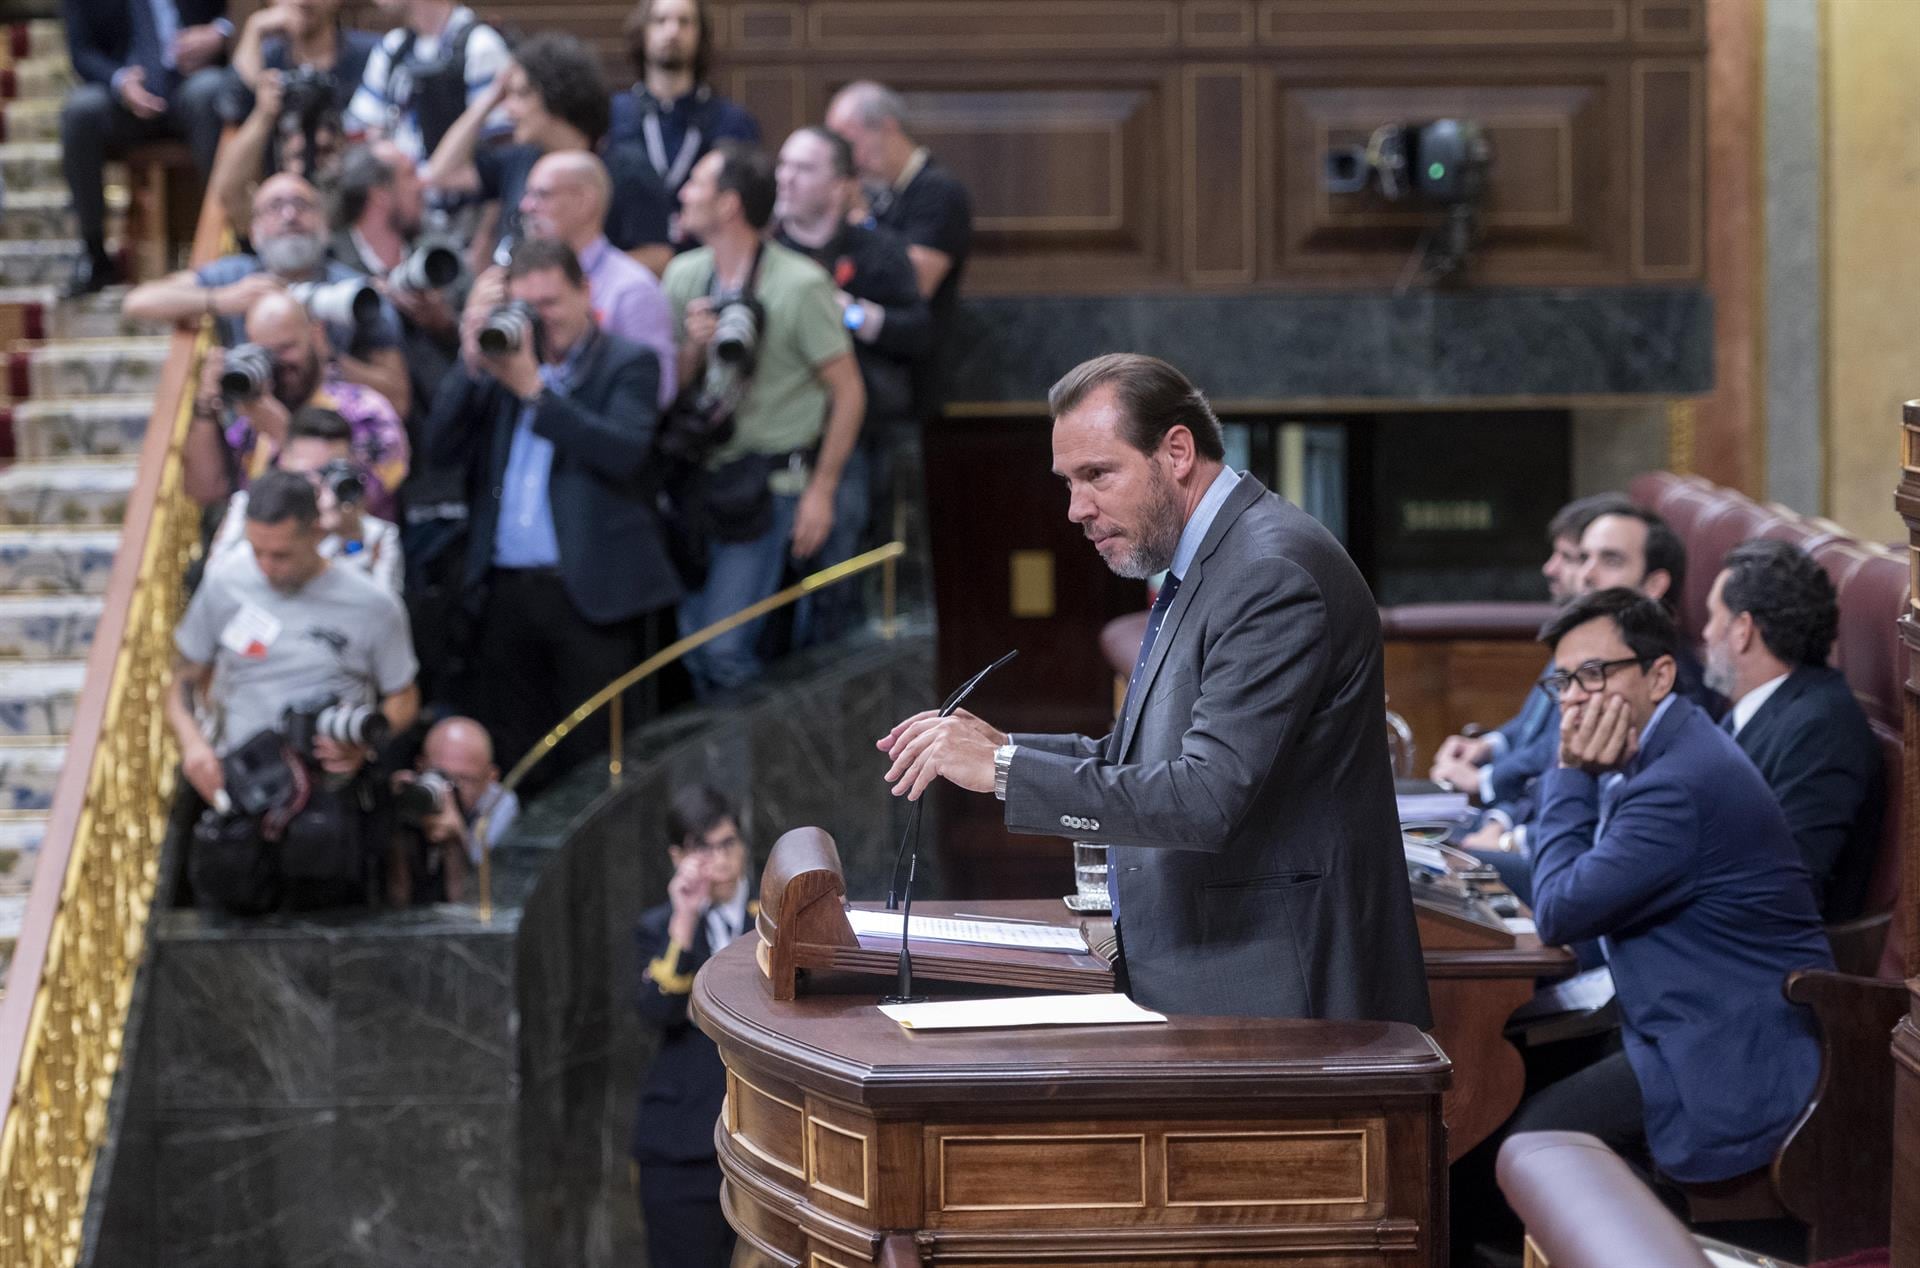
{"points": [[287, 207], [1591, 676]]}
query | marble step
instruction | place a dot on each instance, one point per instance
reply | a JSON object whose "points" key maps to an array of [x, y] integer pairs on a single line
{"points": [[46, 627], [37, 698], [69, 494], [35, 37], [43, 75], [81, 426], [54, 561], [28, 775], [38, 214], [26, 165], [88, 367], [40, 313], [36, 120]]}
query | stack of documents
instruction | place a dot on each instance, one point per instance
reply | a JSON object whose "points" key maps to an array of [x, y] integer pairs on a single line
{"points": [[1028, 1010]]}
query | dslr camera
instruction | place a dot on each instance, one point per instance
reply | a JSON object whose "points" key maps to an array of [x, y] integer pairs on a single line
{"points": [[349, 302], [737, 324], [432, 266], [246, 373], [325, 717], [342, 478], [427, 795], [509, 328]]}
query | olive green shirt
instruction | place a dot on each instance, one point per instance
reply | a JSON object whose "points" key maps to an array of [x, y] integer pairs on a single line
{"points": [[786, 406]]}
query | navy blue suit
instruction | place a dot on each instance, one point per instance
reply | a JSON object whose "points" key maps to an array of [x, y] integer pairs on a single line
{"points": [[1814, 747], [1699, 895], [680, 1099]]}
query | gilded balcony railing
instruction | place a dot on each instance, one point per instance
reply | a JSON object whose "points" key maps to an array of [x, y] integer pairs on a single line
{"points": [[63, 1018]]}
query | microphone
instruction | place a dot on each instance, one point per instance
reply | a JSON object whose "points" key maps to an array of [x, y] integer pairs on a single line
{"points": [[953, 702], [903, 986]]}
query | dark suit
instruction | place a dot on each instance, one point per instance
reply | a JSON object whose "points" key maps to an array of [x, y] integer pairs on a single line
{"points": [[680, 1099], [1813, 745], [105, 37], [1697, 891], [1246, 793], [550, 637]]}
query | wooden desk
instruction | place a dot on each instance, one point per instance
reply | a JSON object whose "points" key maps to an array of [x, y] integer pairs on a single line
{"points": [[847, 1141]]}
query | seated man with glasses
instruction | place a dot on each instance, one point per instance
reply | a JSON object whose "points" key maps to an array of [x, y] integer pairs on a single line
{"points": [[1658, 837]]}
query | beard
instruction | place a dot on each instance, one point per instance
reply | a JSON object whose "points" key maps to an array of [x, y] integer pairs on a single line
{"points": [[1717, 673], [292, 253], [1158, 536]]}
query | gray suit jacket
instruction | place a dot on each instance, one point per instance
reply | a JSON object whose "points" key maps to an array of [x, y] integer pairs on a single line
{"points": [[1246, 793]]}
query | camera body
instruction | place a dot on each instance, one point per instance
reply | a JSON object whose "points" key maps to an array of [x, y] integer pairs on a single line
{"points": [[1441, 163], [246, 373], [737, 325], [327, 718], [510, 327], [427, 795], [348, 302]]}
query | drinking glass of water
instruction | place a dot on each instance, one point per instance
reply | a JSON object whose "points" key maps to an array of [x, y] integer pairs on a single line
{"points": [[1090, 872]]}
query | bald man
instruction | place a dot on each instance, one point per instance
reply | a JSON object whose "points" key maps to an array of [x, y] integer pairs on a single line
{"points": [[243, 438], [289, 236], [567, 197], [460, 750]]}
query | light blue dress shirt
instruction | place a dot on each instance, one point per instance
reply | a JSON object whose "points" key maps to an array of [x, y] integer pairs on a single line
{"points": [[524, 536]]}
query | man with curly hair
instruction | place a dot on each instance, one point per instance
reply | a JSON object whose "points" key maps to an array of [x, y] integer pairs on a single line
{"points": [[555, 95], [1771, 620]]}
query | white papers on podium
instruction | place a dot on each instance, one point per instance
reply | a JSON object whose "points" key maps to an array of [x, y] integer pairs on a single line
{"points": [[986, 933], [1028, 1010]]}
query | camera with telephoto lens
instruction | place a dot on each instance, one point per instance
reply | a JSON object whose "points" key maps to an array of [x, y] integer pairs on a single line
{"points": [[432, 266], [427, 795], [327, 718], [246, 373], [342, 478], [510, 327], [350, 302], [736, 334]]}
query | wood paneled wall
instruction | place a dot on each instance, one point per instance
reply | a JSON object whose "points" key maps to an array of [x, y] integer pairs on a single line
{"points": [[1127, 145]]}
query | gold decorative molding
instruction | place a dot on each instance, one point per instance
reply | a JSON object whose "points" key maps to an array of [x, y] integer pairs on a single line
{"points": [[815, 1180]]}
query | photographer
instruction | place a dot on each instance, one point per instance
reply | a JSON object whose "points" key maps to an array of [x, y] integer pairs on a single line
{"points": [[379, 206], [292, 126], [423, 73], [768, 490], [278, 664], [289, 235], [549, 421], [303, 35], [319, 446], [455, 785], [248, 397], [892, 327]]}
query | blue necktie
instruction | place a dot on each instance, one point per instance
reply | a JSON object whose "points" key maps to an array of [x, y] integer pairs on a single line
{"points": [[1161, 602]]}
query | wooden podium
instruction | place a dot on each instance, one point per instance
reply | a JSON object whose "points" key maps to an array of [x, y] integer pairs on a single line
{"points": [[848, 1141]]}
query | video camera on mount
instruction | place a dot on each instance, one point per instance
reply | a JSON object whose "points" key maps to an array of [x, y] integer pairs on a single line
{"points": [[1442, 164]]}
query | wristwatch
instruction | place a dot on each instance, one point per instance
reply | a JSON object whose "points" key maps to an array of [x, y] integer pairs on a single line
{"points": [[855, 316], [1002, 765]]}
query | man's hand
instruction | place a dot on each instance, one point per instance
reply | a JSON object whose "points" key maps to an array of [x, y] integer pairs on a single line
{"points": [[1485, 837], [212, 366], [270, 92], [135, 97], [1463, 776], [701, 320], [203, 771], [235, 298], [688, 892], [488, 293], [516, 369], [1597, 735], [1459, 748], [198, 47], [336, 758], [429, 311], [812, 520], [269, 417], [927, 745]]}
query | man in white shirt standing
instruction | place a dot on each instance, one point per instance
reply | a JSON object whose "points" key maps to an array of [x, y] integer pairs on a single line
{"points": [[425, 73]]}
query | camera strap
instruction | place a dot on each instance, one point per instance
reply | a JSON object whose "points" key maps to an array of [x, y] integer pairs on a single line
{"points": [[746, 288]]}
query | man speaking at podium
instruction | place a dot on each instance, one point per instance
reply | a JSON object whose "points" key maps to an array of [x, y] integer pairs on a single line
{"points": [[1254, 849]]}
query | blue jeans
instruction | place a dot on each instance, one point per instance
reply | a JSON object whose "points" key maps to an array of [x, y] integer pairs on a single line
{"points": [[739, 574], [826, 615]]}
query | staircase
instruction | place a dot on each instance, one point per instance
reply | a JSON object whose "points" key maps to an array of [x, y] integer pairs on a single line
{"points": [[75, 396]]}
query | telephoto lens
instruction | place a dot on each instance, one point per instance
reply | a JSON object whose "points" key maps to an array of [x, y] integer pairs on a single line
{"points": [[736, 330], [345, 303], [342, 478], [431, 267], [246, 373], [507, 329], [353, 724]]}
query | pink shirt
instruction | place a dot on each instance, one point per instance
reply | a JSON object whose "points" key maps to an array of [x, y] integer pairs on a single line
{"points": [[628, 302]]}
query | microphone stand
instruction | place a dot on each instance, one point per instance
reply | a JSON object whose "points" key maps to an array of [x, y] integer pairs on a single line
{"points": [[903, 985]]}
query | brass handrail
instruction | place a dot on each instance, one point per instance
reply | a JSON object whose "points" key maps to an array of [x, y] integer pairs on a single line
{"points": [[609, 696]]}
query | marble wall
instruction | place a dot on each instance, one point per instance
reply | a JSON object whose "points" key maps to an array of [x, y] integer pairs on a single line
{"points": [[421, 1090]]}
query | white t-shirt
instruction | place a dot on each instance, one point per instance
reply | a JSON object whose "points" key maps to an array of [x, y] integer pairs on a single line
{"points": [[371, 111], [338, 637]]}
